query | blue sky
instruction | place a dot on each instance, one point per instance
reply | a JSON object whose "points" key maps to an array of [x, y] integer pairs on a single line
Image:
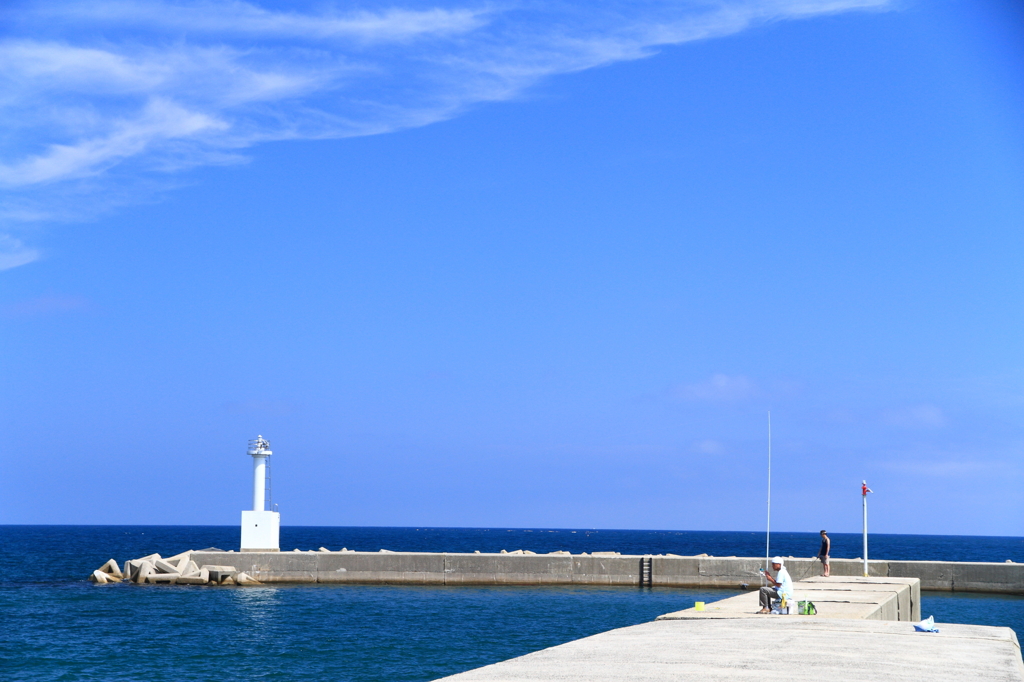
{"points": [[514, 264]]}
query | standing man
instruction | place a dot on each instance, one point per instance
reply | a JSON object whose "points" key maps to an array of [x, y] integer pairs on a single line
{"points": [[780, 586], [826, 546]]}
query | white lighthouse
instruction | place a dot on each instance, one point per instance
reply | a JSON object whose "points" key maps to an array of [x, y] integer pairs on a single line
{"points": [[261, 529]]}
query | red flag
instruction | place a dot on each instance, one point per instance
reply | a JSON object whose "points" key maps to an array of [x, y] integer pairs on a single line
{"points": [[864, 489]]}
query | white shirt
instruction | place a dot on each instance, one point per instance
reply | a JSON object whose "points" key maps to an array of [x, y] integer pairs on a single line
{"points": [[785, 586]]}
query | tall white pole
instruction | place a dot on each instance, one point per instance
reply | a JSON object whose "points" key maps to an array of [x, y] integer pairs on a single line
{"points": [[768, 532], [864, 496], [259, 482]]}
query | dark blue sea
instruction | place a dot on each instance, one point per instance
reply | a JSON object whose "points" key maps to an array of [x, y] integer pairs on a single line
{"points": [[57, 626]]}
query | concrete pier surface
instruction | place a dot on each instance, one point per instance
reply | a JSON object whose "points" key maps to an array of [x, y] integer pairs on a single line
{"points": [[598, 568], [767, 648], [863, 631], [897, 599]]}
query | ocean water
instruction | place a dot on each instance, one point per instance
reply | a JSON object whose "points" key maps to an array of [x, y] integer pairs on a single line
{"points": [[58, 626]]}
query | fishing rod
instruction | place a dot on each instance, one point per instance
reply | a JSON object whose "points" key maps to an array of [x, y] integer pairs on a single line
{"points": [[768, 531]]}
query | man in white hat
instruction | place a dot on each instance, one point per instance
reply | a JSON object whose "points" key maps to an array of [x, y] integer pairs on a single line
{"points": [[779, 586]]}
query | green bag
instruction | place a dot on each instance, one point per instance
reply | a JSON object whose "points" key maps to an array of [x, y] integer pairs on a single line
{"points": [[806, 608]]}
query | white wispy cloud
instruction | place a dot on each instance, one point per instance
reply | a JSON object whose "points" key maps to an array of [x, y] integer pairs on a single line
{"points": [[14, 253], [916, 417], [113, 90], [718, 388], [242, 18], [708, 447], [158, 121]]}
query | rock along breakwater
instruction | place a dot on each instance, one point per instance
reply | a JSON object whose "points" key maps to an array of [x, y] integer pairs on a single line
{"points": [[179, 569]]}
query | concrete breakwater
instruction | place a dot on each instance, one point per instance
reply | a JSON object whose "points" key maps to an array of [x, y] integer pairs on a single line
{"points": [[770, 649], [598, 568], [863, 630]]}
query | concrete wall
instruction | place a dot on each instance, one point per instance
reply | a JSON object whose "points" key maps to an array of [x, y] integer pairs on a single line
{"points": [[606, 570], [501, 569], [382, 569], [405, 568], [963, 576]]}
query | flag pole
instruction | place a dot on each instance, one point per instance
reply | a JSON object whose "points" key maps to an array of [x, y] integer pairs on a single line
{"points": [[864, 490]]}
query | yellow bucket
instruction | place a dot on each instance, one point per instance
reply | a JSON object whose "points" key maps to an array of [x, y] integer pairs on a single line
{"points": [[698, 606]]}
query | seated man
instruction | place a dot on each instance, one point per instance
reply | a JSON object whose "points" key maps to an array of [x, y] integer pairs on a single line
{"points": [[781, 585]]}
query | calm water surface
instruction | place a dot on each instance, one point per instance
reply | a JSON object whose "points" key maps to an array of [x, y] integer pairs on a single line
{"points": [[57, 626]]}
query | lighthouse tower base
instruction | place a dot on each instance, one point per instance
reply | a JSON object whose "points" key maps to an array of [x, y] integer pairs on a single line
{"points": [[261, 531]]}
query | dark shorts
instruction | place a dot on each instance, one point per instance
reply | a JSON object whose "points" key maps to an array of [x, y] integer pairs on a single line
{"points": [[823, 558]]}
